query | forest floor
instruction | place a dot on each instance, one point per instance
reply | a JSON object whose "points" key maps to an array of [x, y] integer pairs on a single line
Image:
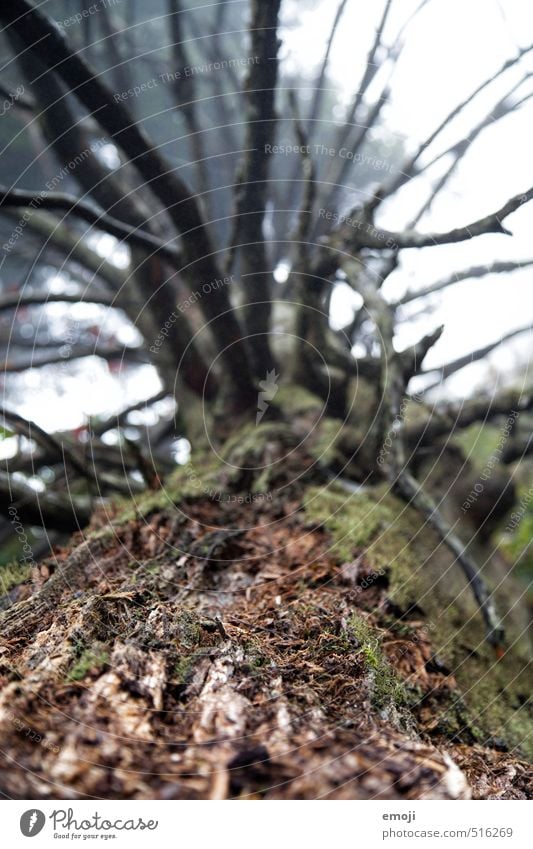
{"points": [[226, 650]]}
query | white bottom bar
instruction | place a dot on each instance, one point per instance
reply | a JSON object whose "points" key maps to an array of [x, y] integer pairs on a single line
{"points": [[264, 825]]}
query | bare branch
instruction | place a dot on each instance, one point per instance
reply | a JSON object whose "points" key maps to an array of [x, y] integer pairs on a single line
{"points": [[408, 169], [44, 39], [450, 368], [318, 97], [184, 93], [76, 249], [475, 271], [366, 235], [339, 175], [127, 355], [119, 419], [18, 99], [40, 509], [393, 385], [309, 176], [252, 191], [447, 418], [87, 212], [371, 68], [414, 357], [458, 150], [31, 430], [411, 490]]}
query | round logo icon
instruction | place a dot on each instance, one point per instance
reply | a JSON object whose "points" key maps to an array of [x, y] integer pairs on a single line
{"points": [[32, 822]]}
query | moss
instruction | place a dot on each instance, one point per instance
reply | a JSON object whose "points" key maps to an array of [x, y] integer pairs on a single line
{"points": [[324, 442], [425, 582], [188, 628], [12, 575], [183, 669], [479, 442], [516, 541], [371, 520], [295, 400], [90, 658], [386, 689]]}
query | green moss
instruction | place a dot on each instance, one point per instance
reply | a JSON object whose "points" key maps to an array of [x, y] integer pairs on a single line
{"points": [[295, 400], [371, 520], [324, 441], [12, 575], [479, 442], [516, 541], [188, 629], [183, 669], [386, 689], [425, 583], [90, 658]]}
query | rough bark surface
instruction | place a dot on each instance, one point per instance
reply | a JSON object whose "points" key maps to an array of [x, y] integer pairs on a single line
{"points": [[305, 643]]}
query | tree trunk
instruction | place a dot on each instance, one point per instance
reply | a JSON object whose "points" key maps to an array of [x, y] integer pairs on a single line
{"points": [[255, 630]]}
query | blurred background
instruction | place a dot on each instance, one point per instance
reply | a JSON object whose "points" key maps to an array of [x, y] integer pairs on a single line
{"points": [[76, 354]]}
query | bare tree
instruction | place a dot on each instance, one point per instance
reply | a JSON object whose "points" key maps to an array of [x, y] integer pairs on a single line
{"points": [[232, 346]]}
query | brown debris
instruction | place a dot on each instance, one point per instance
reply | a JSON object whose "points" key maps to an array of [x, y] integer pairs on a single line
{"points": [[177, 660]]}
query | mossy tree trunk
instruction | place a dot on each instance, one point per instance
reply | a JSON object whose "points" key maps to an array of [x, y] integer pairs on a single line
{"points": [[253, 629]]}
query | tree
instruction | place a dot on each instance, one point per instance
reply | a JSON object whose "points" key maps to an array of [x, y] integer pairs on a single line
{"points": [[289, 575]]}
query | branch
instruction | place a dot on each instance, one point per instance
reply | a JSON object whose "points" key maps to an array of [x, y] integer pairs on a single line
{"points": [[314, 112], [366, 235], [448, 369], [309, 177], [41, 36], [345, 164], [413, 493], [414, 357], [17, 99], [447, 418], [393, 463], [371, 69], [316, 104], [119, 419], [89, 213], [252, 185], [128, 355], [62, 451], [44, 510], [31, 430], [475, 271], [75, 248], [185, 99], [408, 169], [460, 148], [67, 135]]}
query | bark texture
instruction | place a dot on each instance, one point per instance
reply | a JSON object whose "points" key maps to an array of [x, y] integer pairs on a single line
{"points": [[252, 630]]}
